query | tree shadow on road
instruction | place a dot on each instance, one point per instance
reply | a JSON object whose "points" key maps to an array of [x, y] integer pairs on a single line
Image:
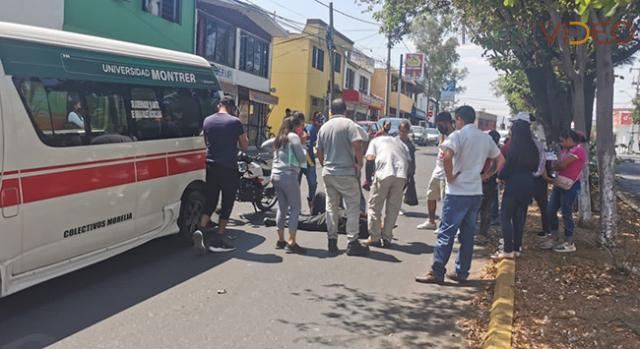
{"points": [[371, 320], [49, 312]]}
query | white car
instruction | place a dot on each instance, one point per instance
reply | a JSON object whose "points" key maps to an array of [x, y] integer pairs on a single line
{"points": [[432, 136], [418, 135]]}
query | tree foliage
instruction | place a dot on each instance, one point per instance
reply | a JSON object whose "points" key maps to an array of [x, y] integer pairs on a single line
{"points": [[514, 87], [431, 33]]}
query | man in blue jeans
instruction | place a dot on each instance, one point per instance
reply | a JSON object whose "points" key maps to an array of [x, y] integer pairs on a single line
{"points": [[465, 153]]}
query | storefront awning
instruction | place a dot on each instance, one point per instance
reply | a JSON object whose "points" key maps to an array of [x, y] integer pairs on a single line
{"points": [[263, 98], [357, 97]]}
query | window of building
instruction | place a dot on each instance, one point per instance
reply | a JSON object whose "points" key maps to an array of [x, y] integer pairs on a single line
{"points": [[350, 78], [216, 40], [317, 60], [364, 85], [68, 113], [167, 9], [254, 55], [337, 62]]}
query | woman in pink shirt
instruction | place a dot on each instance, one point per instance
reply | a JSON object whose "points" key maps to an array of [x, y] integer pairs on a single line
{"points": [[572, 159]]}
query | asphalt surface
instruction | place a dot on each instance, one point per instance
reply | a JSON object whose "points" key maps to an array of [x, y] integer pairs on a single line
{"points": [[163, 295], [629, 181]]}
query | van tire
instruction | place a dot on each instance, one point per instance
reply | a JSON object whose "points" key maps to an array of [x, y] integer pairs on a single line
{"points": [[192, 207]]}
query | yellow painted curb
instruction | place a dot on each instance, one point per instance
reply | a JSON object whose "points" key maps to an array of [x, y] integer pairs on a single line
{"points": [[501, 317]]}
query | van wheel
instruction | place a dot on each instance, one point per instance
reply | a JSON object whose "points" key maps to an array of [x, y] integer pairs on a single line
{"points": [[193, 205]]}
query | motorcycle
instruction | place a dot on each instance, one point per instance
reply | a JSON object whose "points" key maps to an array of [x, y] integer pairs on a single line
{"points": [[255, 182]]}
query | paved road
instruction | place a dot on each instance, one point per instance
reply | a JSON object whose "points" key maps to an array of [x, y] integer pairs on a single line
{"points": [[162, 295], [629, 173]]}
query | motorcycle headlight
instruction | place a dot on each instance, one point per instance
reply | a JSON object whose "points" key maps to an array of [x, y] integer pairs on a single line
{"points": [[242, 167]]}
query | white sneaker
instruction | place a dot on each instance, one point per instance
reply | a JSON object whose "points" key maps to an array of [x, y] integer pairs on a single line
{"points": [[517, 253], [500, 255], [565, 247], [198, 241], [427, 226]]}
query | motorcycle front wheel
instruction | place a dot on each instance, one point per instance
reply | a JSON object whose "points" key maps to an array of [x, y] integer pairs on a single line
{"points": [[267, 200]]}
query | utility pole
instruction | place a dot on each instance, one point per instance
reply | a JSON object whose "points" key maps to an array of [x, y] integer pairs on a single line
{"points": [[399, 87], [387, 91], [637, 83], [330, 44]]}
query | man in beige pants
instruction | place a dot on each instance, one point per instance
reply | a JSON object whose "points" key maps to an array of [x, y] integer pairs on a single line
{"points": [[388, 161], [340, 154]]}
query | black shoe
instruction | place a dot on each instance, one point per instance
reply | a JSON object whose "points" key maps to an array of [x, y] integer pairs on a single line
{"points": [[333, 246], [281, 245], [219, 245], [386, 243], [295, 248], [356, 249], [268, 222]]}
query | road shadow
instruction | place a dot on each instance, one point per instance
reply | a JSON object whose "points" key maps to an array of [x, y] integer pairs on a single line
{"points": [[415, 248], [366, 319], [416, 214], [49, 312]]}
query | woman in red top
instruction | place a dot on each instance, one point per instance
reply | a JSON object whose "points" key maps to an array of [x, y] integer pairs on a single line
{"points": [[572, 159]]}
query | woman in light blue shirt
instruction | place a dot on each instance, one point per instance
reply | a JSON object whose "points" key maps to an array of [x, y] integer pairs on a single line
{"points": [[289, 157]]}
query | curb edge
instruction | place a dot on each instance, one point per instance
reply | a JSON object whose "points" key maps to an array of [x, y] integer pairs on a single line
{"points": [[500, 328]]}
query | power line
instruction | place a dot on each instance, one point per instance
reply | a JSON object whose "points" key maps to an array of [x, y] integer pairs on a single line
{"points": [[347, 15]]}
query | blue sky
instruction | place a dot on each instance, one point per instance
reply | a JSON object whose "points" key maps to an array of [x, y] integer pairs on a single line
{"points": [[478, 89]]}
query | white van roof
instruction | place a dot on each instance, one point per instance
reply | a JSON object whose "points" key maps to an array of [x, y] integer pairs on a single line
{"points": [[95, 43]]}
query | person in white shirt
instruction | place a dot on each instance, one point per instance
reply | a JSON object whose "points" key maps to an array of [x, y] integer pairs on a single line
{"points": [[437, 183], [465, 153], [388, 162]]}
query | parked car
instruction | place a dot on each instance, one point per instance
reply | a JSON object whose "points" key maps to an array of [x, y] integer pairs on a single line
{"points": [[432, 136], [371, 127], [418, 135]]}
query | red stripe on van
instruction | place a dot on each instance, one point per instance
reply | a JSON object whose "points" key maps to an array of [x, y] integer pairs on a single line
{"points": [[10, 192], [38, 169], [51, 185], [186, 163], [150, 169]]}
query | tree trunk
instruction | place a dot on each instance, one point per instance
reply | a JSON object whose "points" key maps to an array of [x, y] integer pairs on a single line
{"points": [[605, 143], [584, 198], [551, 101], [589, 98]]}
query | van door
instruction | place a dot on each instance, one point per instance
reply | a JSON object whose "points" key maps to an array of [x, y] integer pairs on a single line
{"points": [[10, 197], [77, 183]]}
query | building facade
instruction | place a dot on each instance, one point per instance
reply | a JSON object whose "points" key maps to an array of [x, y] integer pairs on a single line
{"points": [[408, 93], [626, 133], [357, 86], [236, 38], [301, 70]]}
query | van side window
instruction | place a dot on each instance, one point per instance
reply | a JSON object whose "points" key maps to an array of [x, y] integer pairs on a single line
{"points": [[69, 113], [65, 117], [208, 102], [146, 113], [108, 115], [182, 113]]}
